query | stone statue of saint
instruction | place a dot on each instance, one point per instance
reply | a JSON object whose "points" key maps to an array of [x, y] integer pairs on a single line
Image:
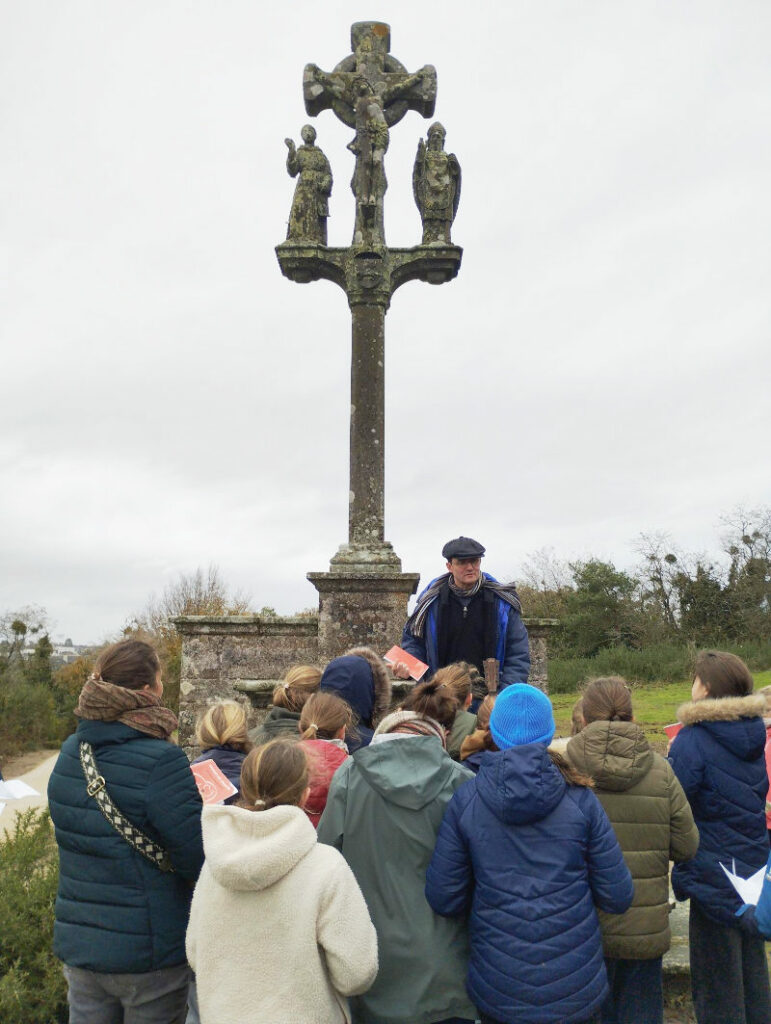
{"points": [[436, 187], [310, 206]]}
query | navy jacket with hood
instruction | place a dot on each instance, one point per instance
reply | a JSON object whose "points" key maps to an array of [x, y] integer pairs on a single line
{"points": [[528, 856], [719, 760], [361, 678], [116, 912]]}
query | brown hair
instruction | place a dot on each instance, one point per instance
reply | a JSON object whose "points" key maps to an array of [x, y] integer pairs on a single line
{"points": [[569, 773], [457, 679], [485, 710], [577, 721], [274, 774], [723, 674], [607, 700], [481, 738], [129, 663], [323, 716], [223, 724], [433, 699], [299, 683]]}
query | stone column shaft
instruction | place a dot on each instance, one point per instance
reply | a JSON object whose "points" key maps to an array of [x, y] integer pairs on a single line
{"points": [[367, 459]]}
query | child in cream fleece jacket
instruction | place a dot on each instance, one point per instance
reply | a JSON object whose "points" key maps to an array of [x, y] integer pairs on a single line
{"points": [[279, 930]]}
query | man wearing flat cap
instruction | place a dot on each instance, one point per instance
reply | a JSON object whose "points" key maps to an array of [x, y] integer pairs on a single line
{"points": [[466, 615]]}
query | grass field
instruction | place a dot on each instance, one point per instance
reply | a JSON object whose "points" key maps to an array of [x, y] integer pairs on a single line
{"points": [[654, 706]]}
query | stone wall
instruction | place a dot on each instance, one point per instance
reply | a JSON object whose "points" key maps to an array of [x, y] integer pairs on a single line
{"points": [[219, 652], [243, 657]]}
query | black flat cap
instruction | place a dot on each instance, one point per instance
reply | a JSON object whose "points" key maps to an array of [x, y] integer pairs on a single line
{"points": [[462, 547]]}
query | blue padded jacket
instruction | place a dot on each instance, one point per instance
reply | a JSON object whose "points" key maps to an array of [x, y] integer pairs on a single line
{"points": [[512, 644], [719, 760], [116, 912], [528, 856]]}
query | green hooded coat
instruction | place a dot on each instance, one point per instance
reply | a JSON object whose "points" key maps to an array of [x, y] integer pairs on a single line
{"points": [[383, 813], [653, 823]]}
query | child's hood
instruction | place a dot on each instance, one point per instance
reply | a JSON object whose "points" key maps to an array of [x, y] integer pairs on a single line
{"points": [[350, 677], [520, 785], [409, 771], [616, 754], [251, 850], [734, 722]]}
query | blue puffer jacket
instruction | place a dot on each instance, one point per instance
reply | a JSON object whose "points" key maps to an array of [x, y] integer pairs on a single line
{"points": [[512, 645], [229, 761], [719, 759], [529, 856], [116, 912]]}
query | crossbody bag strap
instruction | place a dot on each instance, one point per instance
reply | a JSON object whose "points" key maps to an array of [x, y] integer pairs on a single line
{"points": [[135, 837]]}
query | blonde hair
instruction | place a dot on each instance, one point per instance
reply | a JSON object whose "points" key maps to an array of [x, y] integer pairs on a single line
{"points": [[457, 678], [299, 683], [273, 775], [323, 716], [223, 724]]}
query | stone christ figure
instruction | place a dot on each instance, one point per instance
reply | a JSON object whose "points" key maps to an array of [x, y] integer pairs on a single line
{"points": [[436, 187], [370, 91], [310, 207]]}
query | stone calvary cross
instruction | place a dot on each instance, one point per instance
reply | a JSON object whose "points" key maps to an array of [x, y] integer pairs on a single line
{"points": [[370, 91]]}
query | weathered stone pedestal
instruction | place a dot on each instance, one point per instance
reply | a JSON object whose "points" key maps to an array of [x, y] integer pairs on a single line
{"points": [[361, 609]]}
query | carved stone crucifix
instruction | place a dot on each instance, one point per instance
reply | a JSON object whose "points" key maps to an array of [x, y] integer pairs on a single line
{"points": [[369, 90]]}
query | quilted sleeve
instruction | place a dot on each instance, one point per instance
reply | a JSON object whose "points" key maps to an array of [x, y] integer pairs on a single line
{"points": [[516, 659], [683, 833], [686, 761], [449, 878], [174, 811], [609, 878]]}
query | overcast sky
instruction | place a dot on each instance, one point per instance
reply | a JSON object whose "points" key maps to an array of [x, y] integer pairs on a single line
{"points": [[168, 400]]}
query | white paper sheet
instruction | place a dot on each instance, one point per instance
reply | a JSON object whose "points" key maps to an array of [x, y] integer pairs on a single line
{"points": [[748, 888], [15, 789]]}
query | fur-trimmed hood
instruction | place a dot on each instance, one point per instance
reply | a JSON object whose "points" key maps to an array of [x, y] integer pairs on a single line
{"points": [[736, 723], [725, 709]]}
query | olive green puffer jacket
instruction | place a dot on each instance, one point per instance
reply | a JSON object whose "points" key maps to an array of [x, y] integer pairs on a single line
{"points": [[653, 823]]}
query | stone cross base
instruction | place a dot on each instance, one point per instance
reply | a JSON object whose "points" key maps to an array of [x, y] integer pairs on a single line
{"points": [[361, 609]]}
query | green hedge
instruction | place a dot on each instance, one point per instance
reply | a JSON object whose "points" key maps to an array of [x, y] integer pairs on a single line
{"points": [[32, 986], [665, 663]]}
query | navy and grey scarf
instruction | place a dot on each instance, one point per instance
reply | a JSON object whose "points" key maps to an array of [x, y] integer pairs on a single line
{"points": [[417, 621]]}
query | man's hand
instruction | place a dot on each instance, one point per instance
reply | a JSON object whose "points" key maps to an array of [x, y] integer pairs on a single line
{"points": [[400, 670]]}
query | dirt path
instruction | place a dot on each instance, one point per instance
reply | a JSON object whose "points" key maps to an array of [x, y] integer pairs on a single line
{"points": [[35, 769]]}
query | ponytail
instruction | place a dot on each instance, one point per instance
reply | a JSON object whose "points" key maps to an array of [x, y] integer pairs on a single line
{"points": [[273, 775], [607, 700], [323, 716], [433, 699]]}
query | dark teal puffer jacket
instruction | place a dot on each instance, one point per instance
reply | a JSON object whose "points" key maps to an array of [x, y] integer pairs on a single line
{"points": [[528, 858], [116, 912]]}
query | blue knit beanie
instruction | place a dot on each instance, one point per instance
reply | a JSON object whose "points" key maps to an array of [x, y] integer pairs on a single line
{"points": [[522, 714]]}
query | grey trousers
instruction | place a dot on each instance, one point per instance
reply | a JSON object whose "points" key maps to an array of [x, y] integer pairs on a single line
{"points": [[157, 997]]}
